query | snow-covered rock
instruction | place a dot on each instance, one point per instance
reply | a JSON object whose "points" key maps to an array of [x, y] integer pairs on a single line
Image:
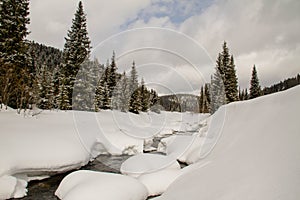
{"points": [[256, 155], [92, 185]]}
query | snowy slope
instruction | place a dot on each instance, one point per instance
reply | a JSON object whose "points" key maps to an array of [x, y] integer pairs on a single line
{"points": [[256, 157]]}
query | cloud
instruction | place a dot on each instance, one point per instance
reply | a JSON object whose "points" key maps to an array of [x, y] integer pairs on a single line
{"points": [[261, 32], [50, 19]]}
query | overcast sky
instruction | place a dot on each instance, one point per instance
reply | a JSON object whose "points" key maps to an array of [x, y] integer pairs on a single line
{"points": [[178, 53]]}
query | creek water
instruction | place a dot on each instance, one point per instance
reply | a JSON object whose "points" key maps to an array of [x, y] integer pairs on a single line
{"points": [[45, 189]]}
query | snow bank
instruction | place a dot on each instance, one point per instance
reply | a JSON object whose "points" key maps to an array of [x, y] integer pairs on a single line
{"points": [[138, 165], [256, 156], [98, 185], [57, 141]]}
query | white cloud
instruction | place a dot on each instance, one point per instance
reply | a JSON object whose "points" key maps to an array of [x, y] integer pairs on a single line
{"points": [[261, 32], [50, 19]]}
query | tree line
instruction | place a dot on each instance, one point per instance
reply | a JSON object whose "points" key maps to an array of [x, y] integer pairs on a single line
{"points": [[223, 87], [34, 74]]}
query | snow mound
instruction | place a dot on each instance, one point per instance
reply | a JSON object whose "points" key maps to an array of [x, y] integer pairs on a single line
{"points": [[140, 164], [92, 185], [256, 156], [157, 182]]}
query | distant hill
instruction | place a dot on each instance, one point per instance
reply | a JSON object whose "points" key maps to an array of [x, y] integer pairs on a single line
{"points": [[180, 102]]}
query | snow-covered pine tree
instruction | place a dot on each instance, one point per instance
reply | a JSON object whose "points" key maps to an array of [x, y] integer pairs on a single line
{"points": [[153, 100], [113, 76], [134, 102], [145, 96], [217, 91], [16, 74], [255, 90], [102, 98], [63, 97], [85, 86], [121, 95], [76, 49], [45, 88]]}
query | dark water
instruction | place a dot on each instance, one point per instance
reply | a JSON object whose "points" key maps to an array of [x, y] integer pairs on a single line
{"points": [[46, 188]]}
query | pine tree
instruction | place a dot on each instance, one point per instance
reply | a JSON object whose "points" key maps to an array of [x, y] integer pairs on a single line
{"points": [[255, 90], [112, 78], [229, 73], [134, 102], [145, 96], [201, 100], [217, 91], [16, 74], [121, 95], [76, 50], [133, 80], [85, 86], [102, 97]]}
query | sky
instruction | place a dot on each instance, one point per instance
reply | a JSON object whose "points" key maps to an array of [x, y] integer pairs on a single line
{"points": [[175, 42]]}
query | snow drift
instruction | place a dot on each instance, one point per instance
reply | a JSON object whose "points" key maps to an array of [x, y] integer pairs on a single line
{"points": [[256, 157], [92, 185]]}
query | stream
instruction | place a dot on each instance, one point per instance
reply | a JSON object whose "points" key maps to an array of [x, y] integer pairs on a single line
{"points": [[45, 189]]}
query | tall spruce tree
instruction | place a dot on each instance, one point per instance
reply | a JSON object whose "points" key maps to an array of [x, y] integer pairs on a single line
{"points": [[113, 76], [134, 102], [76, 51], [16, 74], [255, 90], [228, 72], [231, 83], [145, 96]]}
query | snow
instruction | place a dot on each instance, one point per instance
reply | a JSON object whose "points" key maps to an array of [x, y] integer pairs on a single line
{"points": [[138, 165], [34, 145], [157, 182], [99, 185], [256, 155]]}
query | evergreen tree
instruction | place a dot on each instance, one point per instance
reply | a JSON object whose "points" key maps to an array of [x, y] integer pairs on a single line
{"points": [[85, 86], [113, 76], [230, 78], [122, 95], [145, 96], [133, 80], [102, 97], [201, 100], [255, 90], [76, 50], [134, 102], [217, 91], [153, 99], [15, 73], [45, 88]]}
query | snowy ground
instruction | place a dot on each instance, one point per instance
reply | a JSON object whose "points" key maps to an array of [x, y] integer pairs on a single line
{"points": [[246, 150], [34, 147]]}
